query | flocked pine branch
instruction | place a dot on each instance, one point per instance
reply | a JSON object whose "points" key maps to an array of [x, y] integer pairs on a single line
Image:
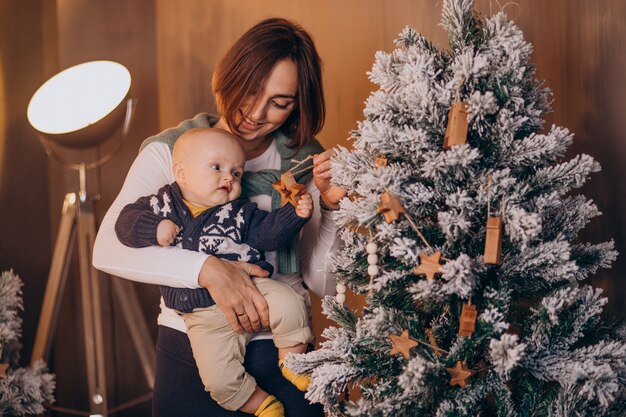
{"points": [[23, 391]]}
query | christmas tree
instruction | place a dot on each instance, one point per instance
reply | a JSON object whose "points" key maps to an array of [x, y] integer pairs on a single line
{"points": [[461, 231], [23, 391]]}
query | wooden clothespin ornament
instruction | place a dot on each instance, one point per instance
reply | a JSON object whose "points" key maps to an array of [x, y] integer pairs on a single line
{"points": [[430, 265], [402, 344], [460, 374], [467, 321], [288, 188], [493, 238], [456, 130], [493, 241], [390, 207]]}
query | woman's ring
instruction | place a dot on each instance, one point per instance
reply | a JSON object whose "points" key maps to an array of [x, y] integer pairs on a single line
{"points": [[241, 314]]}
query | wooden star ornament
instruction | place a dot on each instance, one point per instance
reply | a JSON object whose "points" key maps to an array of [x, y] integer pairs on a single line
{"points": [[460, 374], [402, 344], [288, 188], [295, 193], [390, 207], [282, 187], [429, 265]]}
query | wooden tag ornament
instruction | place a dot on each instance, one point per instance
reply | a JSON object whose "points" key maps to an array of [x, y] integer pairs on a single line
{"points": [[402, 344], [3, 370], [460, 374], [390, 207], [359, 228], [493, 241], [456, 131], [429, 265], [467, 321], [381, 161]]}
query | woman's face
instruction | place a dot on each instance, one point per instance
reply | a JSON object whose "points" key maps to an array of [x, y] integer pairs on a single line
{"points": [[268, 109]]}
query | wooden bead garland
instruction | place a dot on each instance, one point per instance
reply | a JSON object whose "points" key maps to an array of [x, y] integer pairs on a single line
{"points": [[372, 259], [341, 293]]}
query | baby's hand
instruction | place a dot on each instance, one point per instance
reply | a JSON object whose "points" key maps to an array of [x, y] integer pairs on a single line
{"points": [[304, 208], [167, 231]]}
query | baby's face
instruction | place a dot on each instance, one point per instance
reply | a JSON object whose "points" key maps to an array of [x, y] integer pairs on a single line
{"points": [[213, 171]]}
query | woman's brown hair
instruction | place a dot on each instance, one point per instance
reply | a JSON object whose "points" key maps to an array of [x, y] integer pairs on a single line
{"points": [[248, 63]]}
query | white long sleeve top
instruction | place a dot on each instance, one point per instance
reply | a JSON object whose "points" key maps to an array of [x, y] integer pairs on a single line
{"points": [[176, 267]]}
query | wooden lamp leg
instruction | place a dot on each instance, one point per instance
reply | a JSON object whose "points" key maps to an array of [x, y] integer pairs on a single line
{"points": [[92, 311], [56, 279]]}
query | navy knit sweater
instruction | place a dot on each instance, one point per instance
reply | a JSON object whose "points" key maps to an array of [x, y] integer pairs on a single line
{"points": [[238, 231]]}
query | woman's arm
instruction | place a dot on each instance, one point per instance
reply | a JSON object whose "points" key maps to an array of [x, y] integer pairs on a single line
{"points": [[168, 266], [319, 240]]}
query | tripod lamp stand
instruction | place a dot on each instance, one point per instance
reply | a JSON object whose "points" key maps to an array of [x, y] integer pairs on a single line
{"points": [[78, 110]]}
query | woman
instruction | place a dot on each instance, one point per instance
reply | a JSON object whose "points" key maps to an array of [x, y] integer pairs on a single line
{"points": [[268, 89]]}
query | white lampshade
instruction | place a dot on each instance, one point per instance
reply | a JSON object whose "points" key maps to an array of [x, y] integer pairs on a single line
{"points": [[83, 105]]}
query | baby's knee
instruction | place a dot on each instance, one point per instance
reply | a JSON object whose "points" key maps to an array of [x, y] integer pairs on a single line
{"points": [[286, 305]]}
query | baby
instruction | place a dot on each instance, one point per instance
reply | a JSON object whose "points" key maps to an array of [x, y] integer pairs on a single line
{"points": [[202, 211]]}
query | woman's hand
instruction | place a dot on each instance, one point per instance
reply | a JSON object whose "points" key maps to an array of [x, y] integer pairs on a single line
{"points": [[331, 194], [235, 294]]}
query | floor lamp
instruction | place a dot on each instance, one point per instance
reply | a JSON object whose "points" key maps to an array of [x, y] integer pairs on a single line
{"points": [[79, 109]]}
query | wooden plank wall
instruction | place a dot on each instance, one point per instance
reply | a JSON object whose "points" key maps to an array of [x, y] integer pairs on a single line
{"points": [[25, 229], [171, 49]]}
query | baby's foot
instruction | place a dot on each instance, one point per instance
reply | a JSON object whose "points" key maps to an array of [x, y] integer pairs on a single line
{"points": [[271, 407], [301, 381]]}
